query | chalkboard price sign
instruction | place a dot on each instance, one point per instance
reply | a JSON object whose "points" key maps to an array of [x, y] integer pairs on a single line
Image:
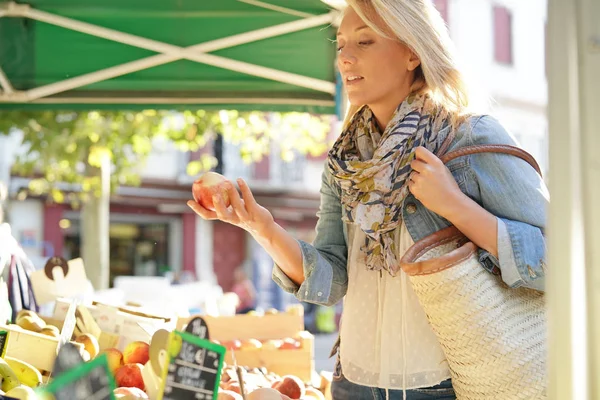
{"points": [[197, 326], [91, 380], [194, 369]]}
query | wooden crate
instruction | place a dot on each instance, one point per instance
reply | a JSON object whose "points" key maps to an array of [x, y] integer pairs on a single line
{"points": [[299, 362], [34, 348]]}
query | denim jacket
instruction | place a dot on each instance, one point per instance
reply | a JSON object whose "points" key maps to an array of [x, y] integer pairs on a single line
{"points": [[504, 185]]}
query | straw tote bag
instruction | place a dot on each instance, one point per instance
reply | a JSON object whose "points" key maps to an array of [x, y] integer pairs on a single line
{"points": [[494, 337]]}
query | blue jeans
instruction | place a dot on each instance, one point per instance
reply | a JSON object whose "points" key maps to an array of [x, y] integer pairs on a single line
{"points": [[342, 389]]}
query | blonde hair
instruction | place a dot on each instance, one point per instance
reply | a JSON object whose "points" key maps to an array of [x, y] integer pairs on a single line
{"points": [[418, 25]]}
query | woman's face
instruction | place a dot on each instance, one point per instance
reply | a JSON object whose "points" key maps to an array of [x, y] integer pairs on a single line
{"points": [[376, 71]]}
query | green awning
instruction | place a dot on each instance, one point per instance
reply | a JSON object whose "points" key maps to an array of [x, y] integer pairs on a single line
{"points": [[247, 54]]}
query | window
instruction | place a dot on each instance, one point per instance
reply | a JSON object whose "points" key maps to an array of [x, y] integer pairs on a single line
{"points": [[503, 35], [442, 7]]}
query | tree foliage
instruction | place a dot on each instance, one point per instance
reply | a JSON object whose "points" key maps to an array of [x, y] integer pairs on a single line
{"points": [[60, 148]]}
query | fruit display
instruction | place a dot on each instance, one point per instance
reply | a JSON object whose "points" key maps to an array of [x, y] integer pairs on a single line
{"points": [[273, 348], [274, 340], [259, 384]]}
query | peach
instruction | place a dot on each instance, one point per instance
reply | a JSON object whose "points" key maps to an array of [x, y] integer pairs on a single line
{"points": [[291, 386], [251, 344], [136, 352], [232, 344], [313, 394], [90, 343], [130, 393], [208, 185], [264, 394], [290, 344], [229, 395], [234, 386], [115, 359], [130, 375], [272, 344]]}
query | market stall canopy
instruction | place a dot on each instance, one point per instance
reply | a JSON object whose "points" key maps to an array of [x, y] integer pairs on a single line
{"points": [[242, 54]]}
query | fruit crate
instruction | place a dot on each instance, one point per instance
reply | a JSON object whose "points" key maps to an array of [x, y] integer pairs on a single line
{"points": [[34, 348], [241, 333]]}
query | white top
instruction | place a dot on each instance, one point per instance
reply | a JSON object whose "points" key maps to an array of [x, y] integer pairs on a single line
{"points": [[386, 340]]}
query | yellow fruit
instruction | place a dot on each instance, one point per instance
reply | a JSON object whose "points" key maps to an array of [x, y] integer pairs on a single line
{"points": [[35, 324], [90, 343], [23, 313], [50, 330], [28, 374], [22, 393], [9, 377]]}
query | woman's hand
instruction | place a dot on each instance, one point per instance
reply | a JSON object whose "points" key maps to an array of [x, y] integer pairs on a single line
{"points": [[244, 211], [433, 184]]}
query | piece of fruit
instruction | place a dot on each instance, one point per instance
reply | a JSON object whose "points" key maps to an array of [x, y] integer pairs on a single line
{"points": [[27, 374], [8, 376], [313, 394], [229, 395], [90, 343], [130, 375], [31, 323], [23, 313], [115, 359], [207, 186], [136, 352], [250, 344], [22, 392], [290, 344], [129, 393], [264, 394], [232, 344], [291, 386], [272, 344], [50, 330]]}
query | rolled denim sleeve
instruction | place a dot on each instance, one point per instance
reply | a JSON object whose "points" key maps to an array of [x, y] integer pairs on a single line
{"points": [[515, 193], [323, 262]]}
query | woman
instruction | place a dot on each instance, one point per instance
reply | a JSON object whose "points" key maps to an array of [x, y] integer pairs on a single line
{"points": [[383, 188]]}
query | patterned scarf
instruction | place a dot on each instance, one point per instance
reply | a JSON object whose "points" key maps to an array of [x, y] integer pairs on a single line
{"points": [[372, 171]]}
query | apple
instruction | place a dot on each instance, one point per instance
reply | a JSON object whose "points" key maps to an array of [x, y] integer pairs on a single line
{"points": [[264, 394], [130, 393], [251, 344], [208, 185], [313, 394], [229, 395], [136, 352], [115, 359], [272, 344], [291, 386], [234, 386], [90, 343], [232, 344], [290, 344], [130, 375]]}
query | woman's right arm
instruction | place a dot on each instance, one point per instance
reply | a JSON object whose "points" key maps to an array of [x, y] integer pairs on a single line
{"points": [[247, 214], [313, 273]]}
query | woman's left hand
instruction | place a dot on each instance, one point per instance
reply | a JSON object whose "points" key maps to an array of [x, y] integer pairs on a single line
{"points": [[433, 184]]}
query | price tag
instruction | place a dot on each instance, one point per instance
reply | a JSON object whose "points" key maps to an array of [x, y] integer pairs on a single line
{"points": [[91, 380], [194, 368], [3, 342], [198, 327]]}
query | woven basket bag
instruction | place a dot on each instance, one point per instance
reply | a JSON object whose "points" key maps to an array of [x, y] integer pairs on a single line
{"points": [[494, 337]]}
